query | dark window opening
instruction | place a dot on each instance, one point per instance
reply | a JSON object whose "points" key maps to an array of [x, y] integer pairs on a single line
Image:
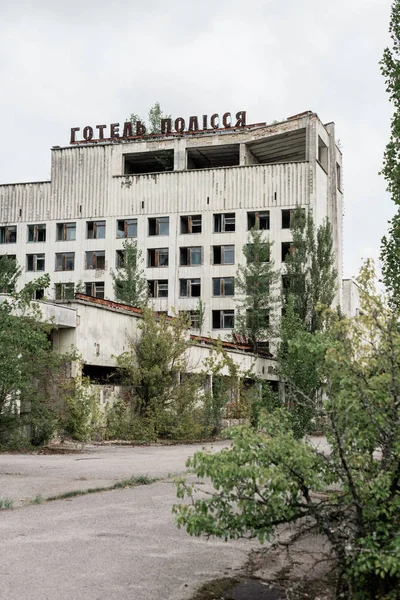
{"points": [[191, 224], [223, 319], [96, 230], [64, 291], [286, 218], [66, 232], [102, 375], [157, 257], [190, 256], [223, 255], [127, 228], [96, 260], [224, 223], [36, 233], [158, 288], [287, 248], [95, 289], [65, 262], [159, 226], [209, 157], [38, 294], [259, 220], [8, 234], [281, 148], [223, 286], [338, 177], [323, 154], [149, 162], [190, 288], [35, 262]]}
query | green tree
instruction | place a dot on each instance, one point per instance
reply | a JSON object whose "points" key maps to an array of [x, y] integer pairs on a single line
{"points": [[390, 248], [310, 273], [130, 285], [9, 274], [156, 368], [27, 364], [155, 116], [254, 288], [351, 496]]}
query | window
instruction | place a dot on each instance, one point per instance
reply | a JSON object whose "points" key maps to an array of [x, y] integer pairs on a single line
{"points": [[127, 228], [223, 286], [157, 257], [120, 259], [287, 247], [65, 261], [35, 262], [36, 233], [148, 162], [95, 289], [191, 224], [8, 234], [66, 231], [286, 218], [285, 283], [189, 288], [64, 291], [96, 230], [263, 256], [96, 260], [190, 256], [158, 288], [38, 294], [159, 226], [259, 220], [193, 316], [322, 154], [223, 319], [223, 255], [224, 223]]}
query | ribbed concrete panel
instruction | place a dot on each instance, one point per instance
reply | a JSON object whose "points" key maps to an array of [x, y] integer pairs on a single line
{"points": [[24, 202]]}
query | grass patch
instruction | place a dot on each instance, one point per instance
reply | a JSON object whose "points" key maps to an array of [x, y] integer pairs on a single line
{"points": [[6, 503], [124, 483], [38, 499]]}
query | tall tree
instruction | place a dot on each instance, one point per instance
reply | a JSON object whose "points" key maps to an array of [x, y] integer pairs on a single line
{"points": [[9, 274], [311, 275], [390, 248], [130, 285], [254, 288], [155, 116]]}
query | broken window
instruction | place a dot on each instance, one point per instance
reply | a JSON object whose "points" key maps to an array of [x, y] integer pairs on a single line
{"points": [[223, 286], [35, 262], [149, 162], [223, 255], [191, 224], [66, 232], [190, 256], [127, 228], [286, 218], [189, 288], [322, 154], [223, 319], [193, 317], [258, 220], [157, 257], [36, 233], [159, 226], [96, 230], [209, 157], [8, 234], [224, 222], [38, 294], [64, 291], [158, 288], [287, 248], [96, 260], [95, 289], [65, 261]]}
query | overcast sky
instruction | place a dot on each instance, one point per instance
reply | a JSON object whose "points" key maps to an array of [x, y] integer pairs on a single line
{"points": [[84, 62]]}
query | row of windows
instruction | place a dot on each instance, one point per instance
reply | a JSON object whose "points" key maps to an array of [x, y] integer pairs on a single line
{"points": [[127, 228], [156, 257], [191, 288]]}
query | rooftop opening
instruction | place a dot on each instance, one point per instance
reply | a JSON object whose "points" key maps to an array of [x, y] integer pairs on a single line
{"points": [[209, 157], [148, 162], [284, 147]]}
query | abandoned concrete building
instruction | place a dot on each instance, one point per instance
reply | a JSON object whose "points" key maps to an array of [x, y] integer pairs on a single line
{"points": [[188, 198]]}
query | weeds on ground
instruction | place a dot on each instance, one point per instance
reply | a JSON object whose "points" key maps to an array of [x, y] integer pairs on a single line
{"points": [[6, 503]]}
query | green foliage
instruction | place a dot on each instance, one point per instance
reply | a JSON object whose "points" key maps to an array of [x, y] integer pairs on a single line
{"points": [[130, 285], [156, 370], [155, 116], [6, 503], [254, 289], [311, 276], [83, 419], [9, 274], [350, 495]]}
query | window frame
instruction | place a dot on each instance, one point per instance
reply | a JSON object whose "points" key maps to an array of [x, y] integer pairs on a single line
{"points": [[36, 230], [127, 223], [65, 256], [221, 220], [99, 224], [63, 228], [35, 258]]}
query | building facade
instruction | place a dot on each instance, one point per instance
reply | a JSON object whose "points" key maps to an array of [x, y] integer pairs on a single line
{"points": [[187, 198]]}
